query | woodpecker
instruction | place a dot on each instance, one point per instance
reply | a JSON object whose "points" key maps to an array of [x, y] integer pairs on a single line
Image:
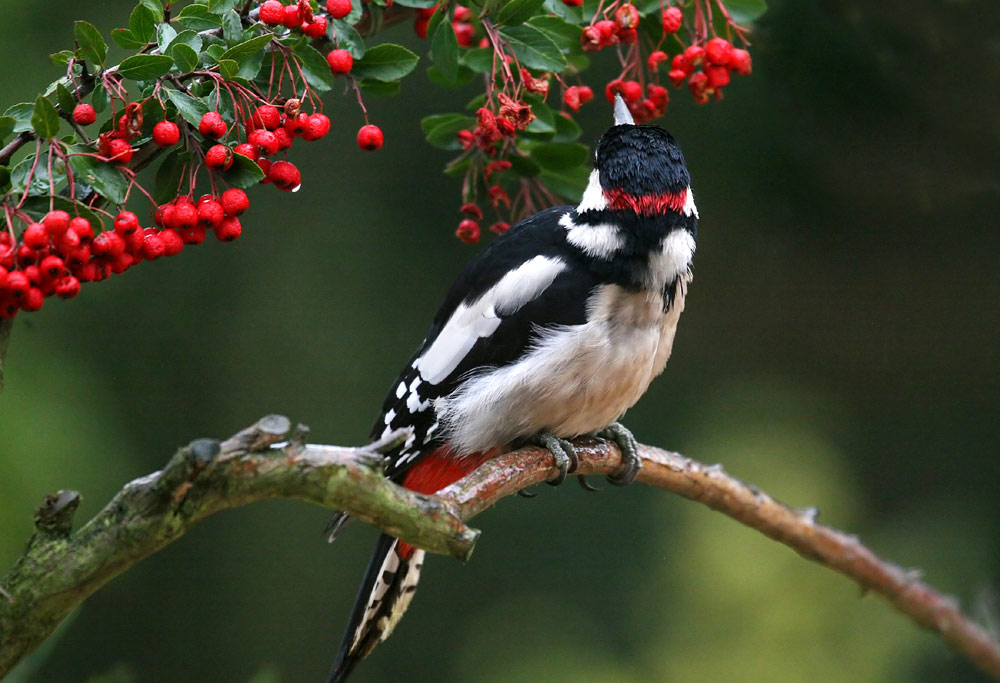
{"points": [[552, 332]]}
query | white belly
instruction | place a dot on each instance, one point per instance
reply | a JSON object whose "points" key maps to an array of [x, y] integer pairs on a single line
{"points": [[578, 379]]}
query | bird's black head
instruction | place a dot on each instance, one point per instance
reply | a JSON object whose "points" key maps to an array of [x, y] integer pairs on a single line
{"points": [[640, 161]]}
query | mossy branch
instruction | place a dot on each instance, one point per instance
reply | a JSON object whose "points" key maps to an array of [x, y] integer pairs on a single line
{"points": [[59, 568]]}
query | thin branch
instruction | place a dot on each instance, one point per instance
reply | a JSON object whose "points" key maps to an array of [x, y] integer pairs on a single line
{"points": [[60, 569]]}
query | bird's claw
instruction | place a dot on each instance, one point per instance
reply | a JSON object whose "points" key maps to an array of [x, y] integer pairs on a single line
{"points": [[631, 462], [585, 485], [562, 451]]}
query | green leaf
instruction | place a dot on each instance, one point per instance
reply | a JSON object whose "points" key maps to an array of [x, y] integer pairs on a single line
{"points": [[4, 179], [100, 99], [232, 27], [221, 6], [441, 129], [349, 39], [444, 51], [61, 58], [569, 183], [478, 59], [92, 45], [567, 129], [524, 166], [215, 51], [419, 4], [145, 67], [39, 206], [142, 23], [190, 109], [154, 5], [169, 174], [745, 11], [104, 177], [21, 113], [197, 18], [45, 119], [385, 62], [380, 88], [124, 38], [166, 35], [533, 48], [6, 126], [560, 156], [189, 38], [228, 68], [544, 124], [572, 15], [251, 67], [463, 76], [518, 11], [65, 98], [315, 67], [247, 49], [244, 173], [566, 36], [184, 56], [39, 177]]}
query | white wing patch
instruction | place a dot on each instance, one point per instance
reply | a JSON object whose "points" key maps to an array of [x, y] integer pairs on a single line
{"points": [[593, 197], [474, 320], [597, 241]]}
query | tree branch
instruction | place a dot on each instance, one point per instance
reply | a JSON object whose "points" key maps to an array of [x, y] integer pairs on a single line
{"points": [[270, 460]]}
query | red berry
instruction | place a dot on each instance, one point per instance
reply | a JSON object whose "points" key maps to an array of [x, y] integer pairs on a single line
{"points": [[680, 63], [84, 114], [166, 133], [210, 214], [272, 12], [718, 76], [82, 228], [173, 243], [468, 231], [370, 137], [655, 59], [420, 25], [672, 19], [627, 16], [152, 246], [472, 211], [340, 61], [3, 278], [164, 215], [34, 275], [739, 61], [219, 158], [464, 32], [108, 244], [284, 139], [234, 202], [78, 256], [18, 284], [693, 55], [319, 125], [68, 241], [572, 3], [265, 142], [229, 229], [119, 151], [265, 166], [33, 300], [586, 94], [316, 28], [195, 235], [52, 267], [297, 125], [607, 30], [500, 227], [285, 176], [247, 150], [185, 216], [590, 39], [67, 287], [614, 87], [677, 77], [627, 36], [292, 16], [56, 222], [338, 9], [35, 236], [266, 116], [718, 51], [123, 261], [212, 125], [126, 223]]}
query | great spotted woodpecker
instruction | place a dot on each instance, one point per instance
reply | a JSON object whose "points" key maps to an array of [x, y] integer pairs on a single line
{"points": [[553, 332]]}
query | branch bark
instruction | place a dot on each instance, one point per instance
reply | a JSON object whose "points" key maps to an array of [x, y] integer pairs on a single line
{"points": [[60, 569]]}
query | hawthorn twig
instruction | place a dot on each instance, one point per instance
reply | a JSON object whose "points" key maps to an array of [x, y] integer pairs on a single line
{"points": [[60, 569]]}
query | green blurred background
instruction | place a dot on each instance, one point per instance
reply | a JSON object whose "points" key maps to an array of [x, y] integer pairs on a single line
{"points": [[839, 349]]}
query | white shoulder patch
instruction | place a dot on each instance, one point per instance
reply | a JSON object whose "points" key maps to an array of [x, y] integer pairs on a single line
{"points": [[597, 241], [689, 208], [474, 320], [593, 196]]}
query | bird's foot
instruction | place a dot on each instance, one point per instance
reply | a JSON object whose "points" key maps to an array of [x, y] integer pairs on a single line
{"points": [[630, 453], [561, 450]]}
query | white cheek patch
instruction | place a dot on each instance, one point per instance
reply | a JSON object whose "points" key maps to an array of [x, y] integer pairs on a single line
{"points": [[593, 196], [597, 241], [689, 208], [480, 318]]}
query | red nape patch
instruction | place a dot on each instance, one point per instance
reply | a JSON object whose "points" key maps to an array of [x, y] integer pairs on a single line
{"points": [[437, 470], [646, 204]]}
